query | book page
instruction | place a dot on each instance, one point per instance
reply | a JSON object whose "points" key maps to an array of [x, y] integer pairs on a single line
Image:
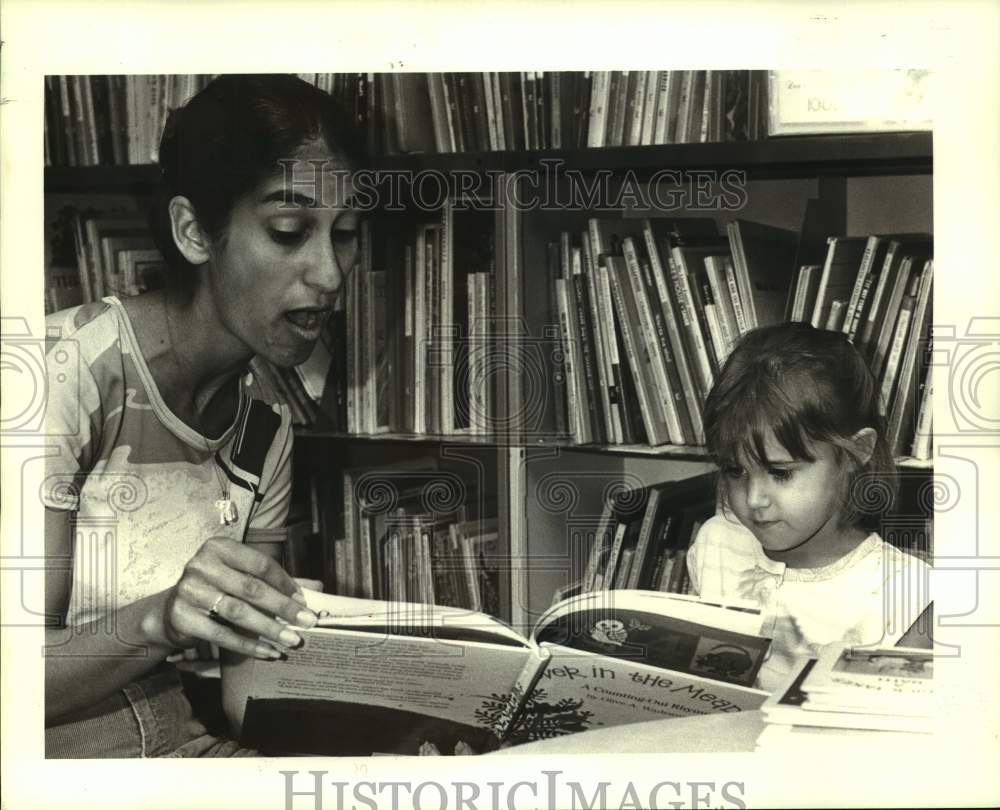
{"points": [[394, 693], [437, 621]]}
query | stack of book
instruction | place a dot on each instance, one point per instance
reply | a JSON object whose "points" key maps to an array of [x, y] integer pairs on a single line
{"points": [[878, 290], [648, 312], [409, 346], [111, 120], [642, 537], [114, 253], [409, 532], [829, 699], [117, 120], [527, 110]]}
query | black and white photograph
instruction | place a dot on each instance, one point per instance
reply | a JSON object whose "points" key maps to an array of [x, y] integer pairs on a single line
{"points": [[425, 430]]}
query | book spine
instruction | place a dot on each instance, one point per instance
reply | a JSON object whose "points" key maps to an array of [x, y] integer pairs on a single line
{"points": [[864, 274], [742, 325], [493, 137], [581, 109], [570, 362], [824, 278], [715, 273], [896, 350], [901, 414], [636, 102], [529, 109], [602, 358], [649, 109], [656, 429], [617, 107], [644, 539], [719, 342], [454, 112], [419, 358], [884, 338], [921, 448], [553, 81], [498, 108], [589, 349], [559, 383], [686, 376], [598, 116], [542, 134], [613, 371], [607, 578], [876, 312], [512, 130], [653, 345], [835, 318], [855, 324], [741, 271], [443, 141], [683, 122], [446, 304], [661, 128], [689, 319]]}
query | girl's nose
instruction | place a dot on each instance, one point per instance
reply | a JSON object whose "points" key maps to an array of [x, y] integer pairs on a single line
{"points": [[757, 495]]}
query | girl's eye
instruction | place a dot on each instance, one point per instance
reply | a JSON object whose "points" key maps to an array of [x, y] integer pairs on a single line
{"points": [[732, 471], [780, 474]]}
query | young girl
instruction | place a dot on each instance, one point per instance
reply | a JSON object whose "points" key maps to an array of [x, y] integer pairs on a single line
{"points": [[794, 424]]}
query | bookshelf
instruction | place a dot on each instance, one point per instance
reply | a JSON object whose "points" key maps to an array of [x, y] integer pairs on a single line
{"points": [[546, 492]]}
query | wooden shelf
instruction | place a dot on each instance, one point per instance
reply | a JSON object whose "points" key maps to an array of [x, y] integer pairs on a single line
{"points": [[890, 153], [88, 179]]}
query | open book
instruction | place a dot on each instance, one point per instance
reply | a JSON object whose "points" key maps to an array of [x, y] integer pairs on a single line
{"points": [[380, 677]]}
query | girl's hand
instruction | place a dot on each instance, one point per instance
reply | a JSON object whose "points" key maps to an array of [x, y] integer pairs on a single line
{"points": [[232, 595]]}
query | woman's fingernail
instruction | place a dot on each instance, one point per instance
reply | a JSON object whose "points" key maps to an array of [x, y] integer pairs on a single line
{"points": [[299, 597], [305, 618], [290, 638], [267, 651]]}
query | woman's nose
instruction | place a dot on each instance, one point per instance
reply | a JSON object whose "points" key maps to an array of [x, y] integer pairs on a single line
{"points": [[324, 271]]}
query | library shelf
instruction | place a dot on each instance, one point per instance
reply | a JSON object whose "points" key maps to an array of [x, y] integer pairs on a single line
{"points": [[851, 155]]}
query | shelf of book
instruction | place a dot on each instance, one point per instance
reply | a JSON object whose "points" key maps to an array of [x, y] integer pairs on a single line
{"points": [[849, 155], [852, 155]]}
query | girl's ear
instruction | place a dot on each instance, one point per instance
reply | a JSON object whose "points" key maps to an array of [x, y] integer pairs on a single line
{"points": [[191, 240], [864, 444]]}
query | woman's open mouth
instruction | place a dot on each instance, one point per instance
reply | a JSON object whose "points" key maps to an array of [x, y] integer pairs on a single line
{"points": [[308, 321]]}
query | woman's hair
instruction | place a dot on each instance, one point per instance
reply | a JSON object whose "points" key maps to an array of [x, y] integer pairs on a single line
{"points": [[228, 138], [803, 385]]}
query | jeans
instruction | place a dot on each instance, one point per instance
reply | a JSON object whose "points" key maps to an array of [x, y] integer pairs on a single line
{"points": [[151, 717]]}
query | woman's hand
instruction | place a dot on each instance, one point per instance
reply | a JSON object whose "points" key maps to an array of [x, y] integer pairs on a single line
{"points": [[232, 595]]}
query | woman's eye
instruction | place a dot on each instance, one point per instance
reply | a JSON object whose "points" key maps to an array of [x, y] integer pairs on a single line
{"points": [[732, 471], [287, 237], [780, 475], [344, 236]]}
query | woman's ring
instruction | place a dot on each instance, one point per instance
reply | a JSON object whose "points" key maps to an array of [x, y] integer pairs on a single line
{"points": [[213, 612]]}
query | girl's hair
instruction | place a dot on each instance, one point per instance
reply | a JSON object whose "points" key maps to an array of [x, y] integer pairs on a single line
{"points": [[228, 138], [803, 385]]}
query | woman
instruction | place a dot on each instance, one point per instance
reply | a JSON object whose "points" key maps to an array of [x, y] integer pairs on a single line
{"points": [[168, 493]]}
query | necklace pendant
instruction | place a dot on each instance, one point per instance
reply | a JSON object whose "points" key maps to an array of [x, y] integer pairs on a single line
{"points": [[228, 514]]}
